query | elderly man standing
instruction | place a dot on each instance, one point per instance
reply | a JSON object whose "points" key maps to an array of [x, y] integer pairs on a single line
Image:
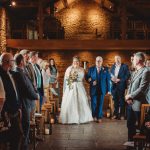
{"points": [[137, 92], [12, 105], [119, 77], [99, 79], [2, 94]]}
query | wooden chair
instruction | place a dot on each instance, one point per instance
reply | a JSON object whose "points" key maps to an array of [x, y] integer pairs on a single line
{"points": [[143, 110], [46, 111], [33, 134], [53, 99], [39, 120], [140, 141]]}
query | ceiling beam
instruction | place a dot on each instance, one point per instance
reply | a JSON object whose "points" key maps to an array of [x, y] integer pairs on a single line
{"points": [[79, 44]]}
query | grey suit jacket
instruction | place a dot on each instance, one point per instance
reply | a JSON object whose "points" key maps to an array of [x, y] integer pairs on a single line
{"points": [[138, 87], [148, 91]]}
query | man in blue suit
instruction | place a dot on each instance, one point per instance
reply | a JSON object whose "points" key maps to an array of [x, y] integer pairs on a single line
{"points": [[119, 77], [99, 79]]}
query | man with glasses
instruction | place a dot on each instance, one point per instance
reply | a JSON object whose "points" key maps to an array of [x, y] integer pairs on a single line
{"points": [[12, 106]]}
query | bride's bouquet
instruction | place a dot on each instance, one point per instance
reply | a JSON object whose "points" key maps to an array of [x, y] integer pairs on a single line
{"points": [[73, 77]]}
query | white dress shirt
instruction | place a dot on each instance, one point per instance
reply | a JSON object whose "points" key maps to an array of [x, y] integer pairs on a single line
{"points": [[117, 68], [98, 69], [13, 82]]}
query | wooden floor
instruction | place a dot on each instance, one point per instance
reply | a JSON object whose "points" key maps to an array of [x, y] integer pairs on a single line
{"points": [[109, 135]]}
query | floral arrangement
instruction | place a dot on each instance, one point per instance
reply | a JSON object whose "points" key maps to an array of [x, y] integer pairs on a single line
{"points": [[73, 77]]}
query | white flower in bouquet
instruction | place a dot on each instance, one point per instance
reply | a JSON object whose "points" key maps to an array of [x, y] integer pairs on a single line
{"points": [[73, 77]]}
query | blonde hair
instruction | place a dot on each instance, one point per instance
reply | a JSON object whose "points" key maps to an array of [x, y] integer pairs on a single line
{"points": [[44, 63]]}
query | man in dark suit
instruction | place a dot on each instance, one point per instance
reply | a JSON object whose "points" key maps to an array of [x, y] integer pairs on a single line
{"points": [[27, 94], [99, 79], [119, 77], [36, 76], [12, 105], [137, 92]]}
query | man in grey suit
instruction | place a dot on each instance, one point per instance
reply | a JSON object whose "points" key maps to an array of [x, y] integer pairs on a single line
{"points": [[137, 92], [148, 93]]}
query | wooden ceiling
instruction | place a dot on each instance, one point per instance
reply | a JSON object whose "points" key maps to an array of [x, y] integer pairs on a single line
{"points": [[139, 8]]}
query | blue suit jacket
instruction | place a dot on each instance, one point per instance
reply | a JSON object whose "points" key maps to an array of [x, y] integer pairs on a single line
{"points": [[123, 75], [104, 80]]}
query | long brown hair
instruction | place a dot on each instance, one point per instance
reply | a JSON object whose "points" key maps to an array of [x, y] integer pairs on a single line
{"points": [[50, 66]]}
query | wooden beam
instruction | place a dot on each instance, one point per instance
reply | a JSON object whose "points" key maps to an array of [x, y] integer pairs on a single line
{"points": [[79, 44], [40, 19], [123, 18]]}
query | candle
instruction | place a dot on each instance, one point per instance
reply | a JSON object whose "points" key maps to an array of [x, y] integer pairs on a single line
{"points": [[108, 114], [47, 131], [84, 65], [52, 121]]}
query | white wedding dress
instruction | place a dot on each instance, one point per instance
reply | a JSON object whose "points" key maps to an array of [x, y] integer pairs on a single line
{"points": [[75, 107]]}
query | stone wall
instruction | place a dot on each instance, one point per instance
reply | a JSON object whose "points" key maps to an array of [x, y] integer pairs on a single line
{"points": [[2, 30], [64, 59], [82, 18]]}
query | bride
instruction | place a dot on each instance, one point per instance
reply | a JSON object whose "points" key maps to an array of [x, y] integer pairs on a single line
{"points": [[74, 107]]}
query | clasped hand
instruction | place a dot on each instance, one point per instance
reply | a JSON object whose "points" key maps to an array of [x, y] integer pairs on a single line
{"points": [[115, 80], [129, 100]]}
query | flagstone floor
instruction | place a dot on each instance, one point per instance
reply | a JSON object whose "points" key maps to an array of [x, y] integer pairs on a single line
{"points": [[109, 135]]}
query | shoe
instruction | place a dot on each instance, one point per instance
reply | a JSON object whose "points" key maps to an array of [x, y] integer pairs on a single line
{"points": [[99, 120], [95, 119], [53, 91], [122, 118], [114, 117]]}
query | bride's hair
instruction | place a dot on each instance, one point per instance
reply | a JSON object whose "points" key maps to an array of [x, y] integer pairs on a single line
{"points": [[76, 58]]}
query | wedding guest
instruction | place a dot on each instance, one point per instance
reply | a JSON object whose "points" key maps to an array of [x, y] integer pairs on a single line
{"points": [[136, 94], [53, 76], [12, 105], [30, 72], [119, 77], [45, 73], [46, 76], [27, 93], [98, 77], [38, 76], [147, 64], [2, 94], [132, 69]]}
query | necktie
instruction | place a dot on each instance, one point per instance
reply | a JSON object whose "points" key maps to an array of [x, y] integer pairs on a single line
{"points": [[98, 70], [38, 75]]}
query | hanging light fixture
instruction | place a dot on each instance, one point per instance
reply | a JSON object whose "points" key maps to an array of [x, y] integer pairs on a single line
{"points": [[12, 4]]}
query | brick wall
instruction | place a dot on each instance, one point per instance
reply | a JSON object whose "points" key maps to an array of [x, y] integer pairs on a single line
{"points": [[64, 59], [82, 18], [2, 29]]}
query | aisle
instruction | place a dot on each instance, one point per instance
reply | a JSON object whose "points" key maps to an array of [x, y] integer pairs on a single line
{"points": [[109, 135]]}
